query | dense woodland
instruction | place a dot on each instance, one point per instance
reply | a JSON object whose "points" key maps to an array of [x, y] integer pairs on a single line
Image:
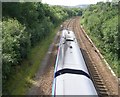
{"points": [[24, 25], [101, 23]]}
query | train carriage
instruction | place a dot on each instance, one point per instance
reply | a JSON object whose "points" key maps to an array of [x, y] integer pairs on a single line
{"points": [[71, 76]]}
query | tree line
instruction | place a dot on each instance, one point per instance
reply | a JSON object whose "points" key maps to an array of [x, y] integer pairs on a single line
{"points": [[101, 23], [23, 25]]}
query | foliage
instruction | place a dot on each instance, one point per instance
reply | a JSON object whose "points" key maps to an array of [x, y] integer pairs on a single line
{"points": [[101, 21], [23, 79], [24, 25], [16, 43]]}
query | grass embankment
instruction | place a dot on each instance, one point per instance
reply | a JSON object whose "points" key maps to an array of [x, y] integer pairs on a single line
{"points": [[114, 67], [106, 55], [21, 80]]}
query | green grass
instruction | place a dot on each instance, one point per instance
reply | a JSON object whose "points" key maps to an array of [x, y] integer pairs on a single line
{"points": [[19, 83], [114, 64]]}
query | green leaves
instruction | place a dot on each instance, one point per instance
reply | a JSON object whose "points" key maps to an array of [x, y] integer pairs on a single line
{"points": [[14, 39], [102, 22], [24, 25]]}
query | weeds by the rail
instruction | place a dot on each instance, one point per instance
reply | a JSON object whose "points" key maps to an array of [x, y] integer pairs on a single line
{"points": [[20, 81], [107, 56]]}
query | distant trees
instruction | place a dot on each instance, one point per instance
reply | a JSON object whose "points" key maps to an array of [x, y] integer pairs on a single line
{"points": [[24, 24], [101, 21]]}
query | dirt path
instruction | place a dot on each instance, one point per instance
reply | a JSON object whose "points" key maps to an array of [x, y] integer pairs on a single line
{"points": [[42, 84]]}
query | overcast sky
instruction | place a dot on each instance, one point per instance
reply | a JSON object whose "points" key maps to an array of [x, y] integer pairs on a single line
{"points": [[71, 2]]}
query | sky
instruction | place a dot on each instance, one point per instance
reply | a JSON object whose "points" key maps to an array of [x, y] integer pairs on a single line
{"points": [[71, 2]]}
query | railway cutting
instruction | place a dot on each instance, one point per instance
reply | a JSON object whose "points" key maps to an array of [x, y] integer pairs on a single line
{"points": [[105, 82]]}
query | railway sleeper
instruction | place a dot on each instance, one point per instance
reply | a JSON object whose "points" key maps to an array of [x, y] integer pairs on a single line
{"points": [[94, 67], [98, 80], [103, 89], [99, 83], [101, 86], [103, 92], [103, 95], [94, 70], [96, 76]]}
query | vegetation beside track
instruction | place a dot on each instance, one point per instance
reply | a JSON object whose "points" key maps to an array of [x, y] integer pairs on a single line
{"points": [[101, 23], [22, 78], [27, 32]]}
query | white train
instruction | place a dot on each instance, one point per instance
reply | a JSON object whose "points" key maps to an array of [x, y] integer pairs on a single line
{"points": [[71, 76]]}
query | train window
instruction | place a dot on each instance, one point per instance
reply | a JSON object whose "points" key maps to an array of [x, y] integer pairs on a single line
{"points": [[69, 39]]}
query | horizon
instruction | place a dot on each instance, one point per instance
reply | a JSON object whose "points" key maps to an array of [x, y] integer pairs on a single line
{"points": [[72, 2]]}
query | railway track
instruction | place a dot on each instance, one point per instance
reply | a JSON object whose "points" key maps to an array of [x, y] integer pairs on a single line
{"points": [[105, 83], [98, 81]]}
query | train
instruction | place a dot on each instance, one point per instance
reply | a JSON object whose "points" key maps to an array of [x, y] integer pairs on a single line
{"points": [[71, 76]]}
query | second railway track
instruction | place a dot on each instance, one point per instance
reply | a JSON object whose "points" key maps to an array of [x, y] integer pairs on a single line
{"points": [[106, 84]]}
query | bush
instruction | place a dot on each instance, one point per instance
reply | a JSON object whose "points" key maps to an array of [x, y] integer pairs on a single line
{"points": [[101, 20], [16, 44]]}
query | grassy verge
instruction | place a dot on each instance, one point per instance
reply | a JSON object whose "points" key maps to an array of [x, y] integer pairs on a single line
{"points": [[99, 44], [19, 83]]}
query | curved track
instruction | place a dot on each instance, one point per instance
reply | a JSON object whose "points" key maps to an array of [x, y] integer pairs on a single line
{"points": [[104, 80]]}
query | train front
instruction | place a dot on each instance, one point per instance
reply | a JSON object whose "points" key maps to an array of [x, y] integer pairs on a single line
{"points": [[71, 76]]}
